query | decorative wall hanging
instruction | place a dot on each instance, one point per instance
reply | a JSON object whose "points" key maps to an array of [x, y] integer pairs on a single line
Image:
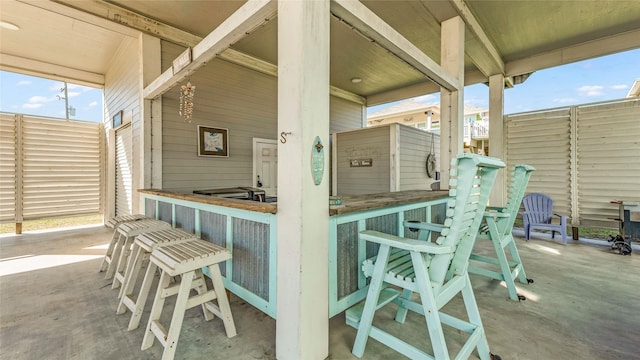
{"points": [[187, 92], [213, 141]]}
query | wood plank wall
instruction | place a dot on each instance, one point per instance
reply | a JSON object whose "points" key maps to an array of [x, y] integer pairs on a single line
{"points": [[232, 97]]}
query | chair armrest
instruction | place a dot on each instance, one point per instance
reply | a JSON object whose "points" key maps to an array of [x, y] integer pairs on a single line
{"points": [[496, 214], [423, 226], [495, 208], [563, 219], [403, 243]]}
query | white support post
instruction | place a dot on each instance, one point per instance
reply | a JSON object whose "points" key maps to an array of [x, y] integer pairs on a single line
{"points": [[302, 325], [451, 102], [496, 135]]}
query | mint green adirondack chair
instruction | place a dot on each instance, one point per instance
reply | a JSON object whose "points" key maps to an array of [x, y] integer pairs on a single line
{"points": [[499, 224], [437, 271]]}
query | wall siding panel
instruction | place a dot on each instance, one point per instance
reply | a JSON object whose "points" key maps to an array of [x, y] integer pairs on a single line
{"points": [[585, 156], [608, 159], [370, 143], [122, 93], [232, 97], [543, 140], [7, 168], [415, 145]]}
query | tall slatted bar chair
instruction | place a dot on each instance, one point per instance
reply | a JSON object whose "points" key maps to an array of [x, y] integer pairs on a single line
{"points": [[128, 231], [113, 223], [187, 260], [142, 248], [437, 270], [499, 224]]}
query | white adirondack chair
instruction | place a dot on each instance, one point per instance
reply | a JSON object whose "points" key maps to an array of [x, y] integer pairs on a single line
{"points": [[437, 271], [499, 225]]}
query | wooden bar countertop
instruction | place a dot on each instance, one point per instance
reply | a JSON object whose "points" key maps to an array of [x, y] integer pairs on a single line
{"points": [[353, 203], [350, 203], [215, 200]]}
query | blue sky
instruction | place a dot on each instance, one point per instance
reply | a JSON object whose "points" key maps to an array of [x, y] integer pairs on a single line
{"points": [[37, 96], [604, 78]]}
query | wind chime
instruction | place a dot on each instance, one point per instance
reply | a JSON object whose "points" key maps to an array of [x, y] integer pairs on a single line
{"points": [[186, 101]]}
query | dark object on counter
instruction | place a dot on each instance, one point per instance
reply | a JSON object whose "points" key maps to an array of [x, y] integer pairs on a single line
{"points": [[242, 193]]}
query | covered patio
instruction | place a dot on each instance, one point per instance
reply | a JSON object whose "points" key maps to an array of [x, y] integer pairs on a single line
{"points": [[583, 305], [292, 73]]}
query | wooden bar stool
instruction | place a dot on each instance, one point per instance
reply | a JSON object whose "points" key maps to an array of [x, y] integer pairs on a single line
{"points": [[142, 248], [113, 223], [187, 260], [127, 232]]}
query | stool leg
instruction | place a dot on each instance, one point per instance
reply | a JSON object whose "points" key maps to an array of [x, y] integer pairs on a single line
{"points": [[130, 275], [156, 311], [173, 334], [223, 302], [109, 254], [132, 270], [122, 263], [202, 289], [138, 308], [114, 257]]}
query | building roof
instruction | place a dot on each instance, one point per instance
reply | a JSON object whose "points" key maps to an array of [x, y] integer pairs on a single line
{"points": [[412, 106]]}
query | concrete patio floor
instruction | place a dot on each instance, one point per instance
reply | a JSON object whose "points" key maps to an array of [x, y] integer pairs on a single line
{"points": [[584, 304]]}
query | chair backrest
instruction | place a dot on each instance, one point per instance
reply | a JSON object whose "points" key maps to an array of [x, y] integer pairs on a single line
{"points": [[539, 207], [520, 176], [472, 177]]}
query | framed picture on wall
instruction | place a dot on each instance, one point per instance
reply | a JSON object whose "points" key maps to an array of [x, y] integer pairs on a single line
{"points": [[117, 119], [213, 141]]}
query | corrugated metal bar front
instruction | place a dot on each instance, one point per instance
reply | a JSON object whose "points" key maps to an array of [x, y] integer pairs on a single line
{"points": [[7, 168], [61, 168], [543, 140], [124, 162], [608, 159]]}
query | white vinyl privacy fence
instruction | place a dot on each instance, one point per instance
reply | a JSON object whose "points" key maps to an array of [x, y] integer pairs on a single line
{"points": [[49, 168], [585, 156]]}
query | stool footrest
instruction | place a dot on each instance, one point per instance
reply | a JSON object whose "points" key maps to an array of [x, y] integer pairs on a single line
{"points": [[173, 290], [201, 299], [159, 331]]}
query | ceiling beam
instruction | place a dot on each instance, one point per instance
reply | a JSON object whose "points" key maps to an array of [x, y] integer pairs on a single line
{"points": [[248, 17], [486, 57], [52, 71], [119, 15], [370, 25], [132, 20], [71, 11], [424, 88], [604, 46]]}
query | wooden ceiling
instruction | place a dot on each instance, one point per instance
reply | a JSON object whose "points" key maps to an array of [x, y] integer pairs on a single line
{"points": [[75, 40]]}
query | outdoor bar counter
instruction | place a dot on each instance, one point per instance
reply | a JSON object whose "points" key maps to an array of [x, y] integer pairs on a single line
{"points": [[249, 230]]}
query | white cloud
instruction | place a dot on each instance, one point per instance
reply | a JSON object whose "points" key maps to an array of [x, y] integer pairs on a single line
{"points": [[35, 102], [23, 82], [72, 93], [619, 87], [591, 90], [424, 98], [93, 103]]}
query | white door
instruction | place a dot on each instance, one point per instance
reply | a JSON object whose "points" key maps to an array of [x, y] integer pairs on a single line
{"points": [[265, 165]]}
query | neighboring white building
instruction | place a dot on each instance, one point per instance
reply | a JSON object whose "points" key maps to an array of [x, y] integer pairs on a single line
{"points": [[635, 89], [427, 117]]}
